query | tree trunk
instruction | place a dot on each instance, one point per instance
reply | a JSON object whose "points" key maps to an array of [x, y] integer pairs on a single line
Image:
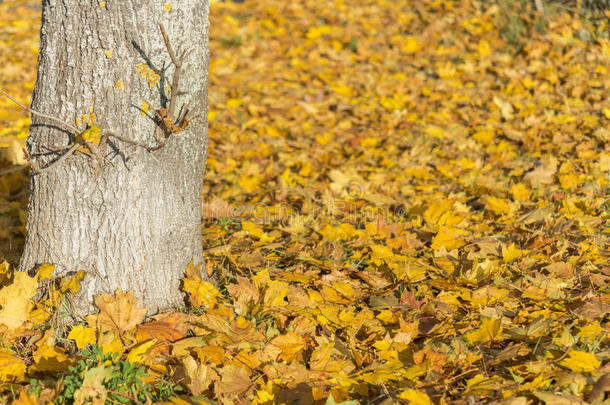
{"points": [[135, 224]]}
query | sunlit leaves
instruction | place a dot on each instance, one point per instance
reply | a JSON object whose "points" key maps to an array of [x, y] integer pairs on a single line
{"points": [[82, 336], [489, 330], [118, 313], [203, 293], [415, 397], [11, 365], [290, 345], [449, 238], [579, 361], [16, 300], [510, 253], [400, 205]]}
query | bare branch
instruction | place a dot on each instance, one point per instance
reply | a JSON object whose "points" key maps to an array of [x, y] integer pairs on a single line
{"points": [[178, 70], [168, 45], [37, 169], [33, 112], [129, 141]]}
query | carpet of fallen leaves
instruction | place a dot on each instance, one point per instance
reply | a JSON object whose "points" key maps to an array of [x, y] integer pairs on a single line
{"points": [[406, 201]]}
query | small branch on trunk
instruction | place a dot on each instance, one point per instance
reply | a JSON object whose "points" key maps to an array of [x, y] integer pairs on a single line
{"points": [[130, 142], [166, 123], [96, 152], [36, 168], [33, 112]]}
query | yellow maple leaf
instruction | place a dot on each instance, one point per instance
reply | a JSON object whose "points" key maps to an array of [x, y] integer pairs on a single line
{"points": [[48, 356], [234, 380], [434, 131], [92, 388], [167, 7], [11, 366], [242, 323], [110, 343], [119, 313], [489, 330], [506, 108], [449, 238], [591, 331], [119, 84], [16, 300], [290, 344], [72, 284], [498, 206], [520, 192], [249, 183], [203, 293], [381, 254], [234, 103], [135, 354], [569, 181], [415, 397], [276, 293], [483, 48], [510, 253], [581, 362], [392, 103], [439, 214], [320, 358], [317, 32], [409, 270], [144, 107], [410, 44], [252, 229], [343, 89], [200, 376], [45, 271], [484, 136], [82, 336], [265, 394]]}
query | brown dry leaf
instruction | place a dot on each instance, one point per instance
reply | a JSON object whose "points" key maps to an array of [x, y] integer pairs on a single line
{"points": [[593, 309], [218, 208], [541, 176], [198, 376], [561, 269], [119, 313], [234, 380]]}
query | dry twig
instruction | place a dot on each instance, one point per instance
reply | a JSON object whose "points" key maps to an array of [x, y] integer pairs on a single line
{"points": [[96, 151], [33, 112], [166, 123]]}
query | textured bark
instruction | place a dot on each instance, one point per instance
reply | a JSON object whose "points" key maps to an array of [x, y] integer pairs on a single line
{"points": [[137, 224]]}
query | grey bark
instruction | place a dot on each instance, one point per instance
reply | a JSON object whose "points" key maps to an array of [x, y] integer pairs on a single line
{"points": [[136, 224]]}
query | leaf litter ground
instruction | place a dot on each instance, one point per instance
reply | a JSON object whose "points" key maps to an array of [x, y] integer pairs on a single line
{"points": [[405, 202]]}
